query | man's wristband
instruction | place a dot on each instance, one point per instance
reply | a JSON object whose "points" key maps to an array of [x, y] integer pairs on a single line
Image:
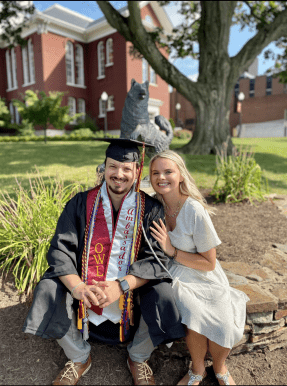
{"points": [[174, 253], [76, 286]]}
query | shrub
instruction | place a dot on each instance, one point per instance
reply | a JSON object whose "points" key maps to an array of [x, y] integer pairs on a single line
{"points": [[27, 225], [171, 121], [26, 128], [182, 134], [87, 122], [241, 177]]}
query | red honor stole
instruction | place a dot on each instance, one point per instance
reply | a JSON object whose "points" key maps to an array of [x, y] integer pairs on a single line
{"points": [[99, 252]]}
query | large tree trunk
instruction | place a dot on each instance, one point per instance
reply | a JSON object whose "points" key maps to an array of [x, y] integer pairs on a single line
{"points": [[212, 131]]}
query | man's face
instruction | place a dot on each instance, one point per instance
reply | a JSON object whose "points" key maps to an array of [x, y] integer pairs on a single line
{"points": [[120, 176]]}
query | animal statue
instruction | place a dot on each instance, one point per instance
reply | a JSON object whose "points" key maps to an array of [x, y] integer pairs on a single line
{"points": [[135, 123]]}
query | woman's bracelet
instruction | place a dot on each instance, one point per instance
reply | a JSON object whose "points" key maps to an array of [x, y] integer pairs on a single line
{"points": [[76, 286], [174, 253]]}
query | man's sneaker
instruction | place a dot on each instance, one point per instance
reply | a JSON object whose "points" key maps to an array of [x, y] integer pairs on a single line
{"points": [[72, 372], [141, 372]]}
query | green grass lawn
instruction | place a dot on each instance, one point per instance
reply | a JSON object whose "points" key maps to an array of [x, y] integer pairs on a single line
{"points": [[77, 162]]}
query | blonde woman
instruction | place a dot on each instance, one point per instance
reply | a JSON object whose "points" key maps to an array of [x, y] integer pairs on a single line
{"points": [[213, 312]]}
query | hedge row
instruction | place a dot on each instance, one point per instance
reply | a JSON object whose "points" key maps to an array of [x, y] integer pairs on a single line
{"points": [[65, 137]]}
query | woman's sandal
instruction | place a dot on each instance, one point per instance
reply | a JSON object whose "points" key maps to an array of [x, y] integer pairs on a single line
{"points": [[195, 377], [223, 377]]}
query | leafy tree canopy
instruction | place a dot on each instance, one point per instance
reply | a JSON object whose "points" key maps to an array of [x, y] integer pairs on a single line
{"points": [[13, 16], [44, 110], [204, 35]]}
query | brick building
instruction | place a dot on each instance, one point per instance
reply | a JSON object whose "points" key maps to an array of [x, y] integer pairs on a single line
{"points": [[265, 100], [83, 57]]}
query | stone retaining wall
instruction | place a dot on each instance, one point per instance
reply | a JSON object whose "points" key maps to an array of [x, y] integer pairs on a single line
{"points": [[266, 286]]}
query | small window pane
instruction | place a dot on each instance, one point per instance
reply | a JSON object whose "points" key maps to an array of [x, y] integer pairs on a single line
{"points": [[145, 69], [110, 53], [8, 68], [79, 65], [82, 107], [152, 76], [31, 61], [111, 102], [70, 63], [101, 59], [25, 65]]}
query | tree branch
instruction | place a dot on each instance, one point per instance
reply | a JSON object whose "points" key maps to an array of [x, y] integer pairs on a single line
{"points": [[132, 30], [254, 46], [252, 11]]}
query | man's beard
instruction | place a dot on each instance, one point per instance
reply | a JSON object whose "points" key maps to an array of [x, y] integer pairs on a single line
{"points": [[118, 191]]}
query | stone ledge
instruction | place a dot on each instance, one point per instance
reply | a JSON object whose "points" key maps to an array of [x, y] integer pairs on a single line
{"points": [[260, 300]]}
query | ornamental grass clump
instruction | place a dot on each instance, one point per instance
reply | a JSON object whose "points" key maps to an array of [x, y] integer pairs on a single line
{"points": [[239, 178], [27, 225]]}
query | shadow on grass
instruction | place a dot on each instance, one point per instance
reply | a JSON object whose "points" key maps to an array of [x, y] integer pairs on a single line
{"points": [[21, 157]]}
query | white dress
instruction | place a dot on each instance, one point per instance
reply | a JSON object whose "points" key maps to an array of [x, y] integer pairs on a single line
{"points": [[206, 302]]}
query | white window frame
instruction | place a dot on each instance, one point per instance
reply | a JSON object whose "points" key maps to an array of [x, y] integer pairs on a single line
{"points": [[17, 115], [28, 64], [25, 66], [102, 105], [70, 60], [31, 61], [144, 70], [11, 69], [8, 69], [72, 108], [151, 74], [11, 108], [109, 49], [79, 62], [101, 60], [110, 103], [82, 108]]}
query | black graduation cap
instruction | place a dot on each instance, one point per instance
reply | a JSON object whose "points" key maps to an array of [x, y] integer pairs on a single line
{"points": [[123, 149]]}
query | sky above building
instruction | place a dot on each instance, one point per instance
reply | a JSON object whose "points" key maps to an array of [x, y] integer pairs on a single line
{"points": [[187, 66]]}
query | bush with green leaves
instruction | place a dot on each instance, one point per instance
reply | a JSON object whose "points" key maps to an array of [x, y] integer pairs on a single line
{"points": [[239, 178], [171, 121], [5, 116], [27, 225], [87, 122]]}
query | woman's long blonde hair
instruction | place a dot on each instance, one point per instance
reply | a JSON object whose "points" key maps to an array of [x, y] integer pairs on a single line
{"points": [[187, 187]]}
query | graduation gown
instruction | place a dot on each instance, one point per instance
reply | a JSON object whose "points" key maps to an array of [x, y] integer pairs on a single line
{"points": [[50, 313]]}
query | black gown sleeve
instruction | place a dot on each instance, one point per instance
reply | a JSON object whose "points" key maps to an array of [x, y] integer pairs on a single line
{"points": [[64, 255], [146, 266]]}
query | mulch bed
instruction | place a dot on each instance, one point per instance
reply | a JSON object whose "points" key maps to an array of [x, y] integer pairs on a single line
{"points": [[246, 232]]}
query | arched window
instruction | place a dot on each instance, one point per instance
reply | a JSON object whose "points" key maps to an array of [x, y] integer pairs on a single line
{"points": [[11, 69], [70, 63], [109, 52], [145, 69], [82, 107], [72, 107], [28, 64], [102, 108], [101, 60], [79, 65]]}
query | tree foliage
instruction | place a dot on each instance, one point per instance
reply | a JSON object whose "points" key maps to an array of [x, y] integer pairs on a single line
{"points": [[13, 16], [5, 116], [204, 35], [44, 110]]}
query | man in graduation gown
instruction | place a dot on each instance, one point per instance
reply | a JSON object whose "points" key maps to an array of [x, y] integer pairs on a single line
{"points": [[99, 256]]}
